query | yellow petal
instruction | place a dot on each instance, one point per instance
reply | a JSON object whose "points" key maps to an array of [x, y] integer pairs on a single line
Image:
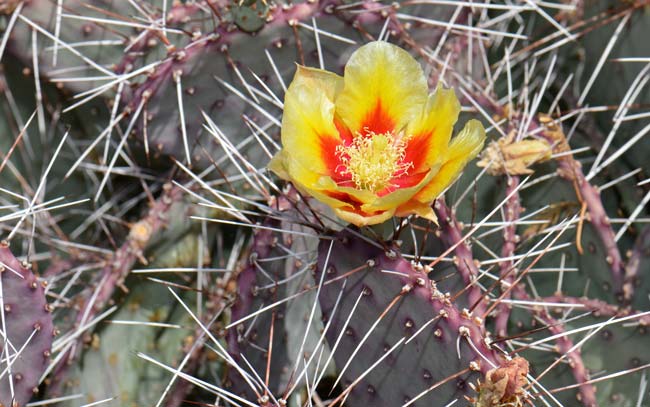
{"points": [[277, 165], [384, 88], [420, 209], [399, 196], [359, 219], [345, 201], [328, 82], [360, 195], [463, 148], [322, 196], [307, 182], [321, 187], [430, 132], [308, 131]]}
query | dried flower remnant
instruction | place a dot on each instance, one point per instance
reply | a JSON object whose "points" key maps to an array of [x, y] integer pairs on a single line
{"points": [[374, 143], [504, 386], [549, 217], [507, 156]]}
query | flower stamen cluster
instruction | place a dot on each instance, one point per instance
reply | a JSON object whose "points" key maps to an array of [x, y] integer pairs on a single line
{"points": [[373, 160]]}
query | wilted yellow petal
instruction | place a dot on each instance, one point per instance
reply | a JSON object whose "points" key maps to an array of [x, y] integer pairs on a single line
{"points": [[506, 156], [384, 88]]}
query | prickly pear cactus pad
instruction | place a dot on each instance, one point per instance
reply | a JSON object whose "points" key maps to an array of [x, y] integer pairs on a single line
{"points": [[27, 330], [395, 338], [324, 203]]}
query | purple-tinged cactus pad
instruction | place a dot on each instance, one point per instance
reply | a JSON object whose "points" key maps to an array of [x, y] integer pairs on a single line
{"points": [[27, 331], [257, 287], [439, 340]]}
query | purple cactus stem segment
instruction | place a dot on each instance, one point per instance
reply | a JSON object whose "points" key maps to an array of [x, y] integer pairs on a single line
{"points": [[599, 308], [571, 170], [586, 391], [390, 310], [463, 258], [179, 13], [262, 340], [27, 331], [565, 346], [510, 239]]}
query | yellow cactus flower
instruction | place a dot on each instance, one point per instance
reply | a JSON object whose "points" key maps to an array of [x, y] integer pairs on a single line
{"points": [[374, 143]]}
